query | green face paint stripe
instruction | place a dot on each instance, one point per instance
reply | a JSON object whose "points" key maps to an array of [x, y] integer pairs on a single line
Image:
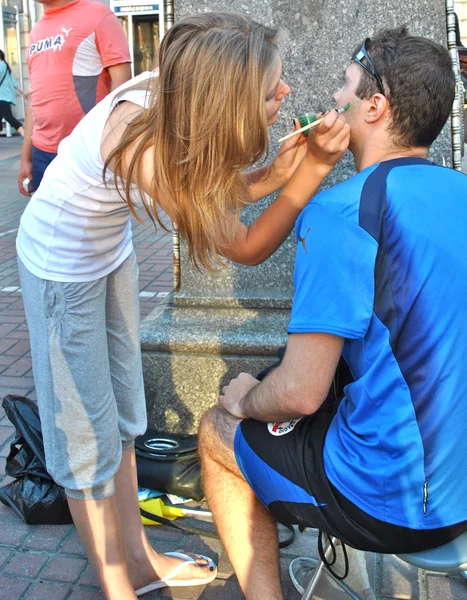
{"points": [[308, 118]]}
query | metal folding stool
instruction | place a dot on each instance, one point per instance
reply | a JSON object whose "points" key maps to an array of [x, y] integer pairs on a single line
{"points": [[450, 558]]}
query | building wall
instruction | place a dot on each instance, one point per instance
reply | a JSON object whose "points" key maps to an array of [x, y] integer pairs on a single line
{"points": [[461, 10]]}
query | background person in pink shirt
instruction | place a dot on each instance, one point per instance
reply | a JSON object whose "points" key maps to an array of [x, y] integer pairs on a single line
{"points": [[77, 54]]}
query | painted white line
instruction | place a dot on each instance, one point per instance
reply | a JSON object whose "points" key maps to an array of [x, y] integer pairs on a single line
{"points": [[13, 288], [152, 294], [4, 233]]}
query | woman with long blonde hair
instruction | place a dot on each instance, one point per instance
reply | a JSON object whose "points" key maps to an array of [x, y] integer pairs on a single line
{"points": [[177, 140]]}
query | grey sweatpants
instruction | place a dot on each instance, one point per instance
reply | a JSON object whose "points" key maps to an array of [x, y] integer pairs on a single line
{"points": [[87, 368]]}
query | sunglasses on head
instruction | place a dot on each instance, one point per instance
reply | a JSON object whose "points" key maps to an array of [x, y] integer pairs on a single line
{"points": [[361, 55]]}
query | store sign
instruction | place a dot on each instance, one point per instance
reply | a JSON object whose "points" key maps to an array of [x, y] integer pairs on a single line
{"points": [[135, 8]]}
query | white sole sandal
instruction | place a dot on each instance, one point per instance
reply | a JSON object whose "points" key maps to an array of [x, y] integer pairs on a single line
{"points": [[169, 581]]}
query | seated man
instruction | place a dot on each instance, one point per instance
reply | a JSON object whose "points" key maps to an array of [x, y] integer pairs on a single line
{"points": [[381, 281]]}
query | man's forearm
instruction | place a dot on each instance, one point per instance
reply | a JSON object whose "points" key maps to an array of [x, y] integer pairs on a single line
{"points": [[297, 387], [119, 74], [271, 401], [26, 150]]}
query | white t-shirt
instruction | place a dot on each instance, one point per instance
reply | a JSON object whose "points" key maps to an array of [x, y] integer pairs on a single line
{"points": [[74, 227]]}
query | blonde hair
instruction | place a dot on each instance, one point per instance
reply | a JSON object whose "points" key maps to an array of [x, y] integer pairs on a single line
{"points": [[206, 123]]}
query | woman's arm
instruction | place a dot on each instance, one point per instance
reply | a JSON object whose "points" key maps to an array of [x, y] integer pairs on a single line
{"points": [[325, 147], [22, 92], [252, 245]]}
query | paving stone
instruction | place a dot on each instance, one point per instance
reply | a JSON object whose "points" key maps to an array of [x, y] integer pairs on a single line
{"points": [[5, 511], [26, 564], [5, 450], [72, 544], [89, 578], [5, 554], [64, 568], [46, 537], [6, 480], [222, 590], [292, 594], [15, 384], [161, 545], [224, 567], [398, 579], [12, 533], [164, 533], [6, 433], [18, 335], [47, 591], [6, 345], [7, 328], [441, 587], [85, 594], [6, 361], [19, 348], [21, 367], [198, 545], [284, 572], [11, 588], [305, 544]]}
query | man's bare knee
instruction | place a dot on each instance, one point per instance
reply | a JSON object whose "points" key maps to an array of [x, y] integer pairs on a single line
{"points": [[216, 437]]}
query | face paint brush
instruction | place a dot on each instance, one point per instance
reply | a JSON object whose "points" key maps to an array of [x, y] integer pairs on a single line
{"points": [[312, 122]]}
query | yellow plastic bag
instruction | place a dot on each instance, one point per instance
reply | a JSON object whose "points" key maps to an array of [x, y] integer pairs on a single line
{"points": [[156, 507]]}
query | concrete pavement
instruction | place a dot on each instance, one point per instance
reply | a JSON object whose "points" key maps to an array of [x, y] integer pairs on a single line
{"points": [[48, 562]]}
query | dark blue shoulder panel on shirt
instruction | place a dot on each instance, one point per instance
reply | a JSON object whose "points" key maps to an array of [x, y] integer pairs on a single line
{"points": [[373, 198], [373, 203]]}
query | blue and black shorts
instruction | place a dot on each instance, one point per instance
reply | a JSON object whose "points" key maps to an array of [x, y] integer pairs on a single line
{"points": [[283, 463]]}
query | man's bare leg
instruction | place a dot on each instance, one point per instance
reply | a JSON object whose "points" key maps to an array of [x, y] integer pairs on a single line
{"points": [[246, 527]]}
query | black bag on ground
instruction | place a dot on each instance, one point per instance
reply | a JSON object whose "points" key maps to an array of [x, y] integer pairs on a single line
{"points": [[33, 495], [169, 462]]}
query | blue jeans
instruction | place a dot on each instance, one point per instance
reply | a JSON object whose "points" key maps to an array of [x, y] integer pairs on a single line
{"points": [[40, 161]]}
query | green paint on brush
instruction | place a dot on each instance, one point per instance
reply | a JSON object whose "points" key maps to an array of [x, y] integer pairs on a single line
{"points": [[308, 118]]}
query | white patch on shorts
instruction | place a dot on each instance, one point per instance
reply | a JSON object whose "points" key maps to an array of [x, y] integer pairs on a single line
{"points": [[283, 428]]}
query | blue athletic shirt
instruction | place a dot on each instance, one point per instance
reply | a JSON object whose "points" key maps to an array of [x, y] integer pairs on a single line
{"points": [[382, 261]]}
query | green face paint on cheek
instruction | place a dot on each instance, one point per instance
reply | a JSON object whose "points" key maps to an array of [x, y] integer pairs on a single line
{"points": [[308, 118]]}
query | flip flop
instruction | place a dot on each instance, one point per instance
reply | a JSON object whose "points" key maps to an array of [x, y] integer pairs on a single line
{"points": [[169, 581]]}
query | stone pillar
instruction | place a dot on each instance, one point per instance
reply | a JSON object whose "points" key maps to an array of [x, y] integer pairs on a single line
{"points": [[217, 326]]}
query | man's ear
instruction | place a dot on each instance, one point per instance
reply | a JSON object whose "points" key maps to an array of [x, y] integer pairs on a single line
{"points": [[377, 108]]}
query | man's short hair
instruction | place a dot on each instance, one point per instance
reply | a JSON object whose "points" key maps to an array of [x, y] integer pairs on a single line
{"points": [[418, 81]]}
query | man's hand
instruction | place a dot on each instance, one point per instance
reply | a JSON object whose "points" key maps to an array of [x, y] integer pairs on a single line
{"points": [[25, 171], [233, 394]]}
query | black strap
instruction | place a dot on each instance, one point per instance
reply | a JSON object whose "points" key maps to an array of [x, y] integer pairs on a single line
{"points": [[329, 563], [3, 78], [198, 527]]}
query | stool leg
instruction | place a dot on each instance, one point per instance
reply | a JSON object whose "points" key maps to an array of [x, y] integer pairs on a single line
{"points": [[320, 569], [308, 593]]}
